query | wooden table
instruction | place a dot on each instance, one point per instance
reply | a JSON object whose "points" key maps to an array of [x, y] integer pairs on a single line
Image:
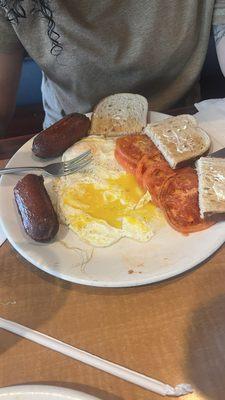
{"points": [[173, 331]]}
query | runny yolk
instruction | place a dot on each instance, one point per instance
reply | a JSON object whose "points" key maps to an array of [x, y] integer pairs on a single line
{"points": [[119, 198]]}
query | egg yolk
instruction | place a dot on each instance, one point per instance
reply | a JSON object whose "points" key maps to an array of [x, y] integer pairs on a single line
{"points": [[118, 199]]}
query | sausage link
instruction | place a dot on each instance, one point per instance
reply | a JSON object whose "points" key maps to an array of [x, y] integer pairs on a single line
{"points": [[53, 141], [35, 208]]}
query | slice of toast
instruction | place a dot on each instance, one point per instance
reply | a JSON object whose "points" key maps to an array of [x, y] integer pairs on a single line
{"points": [[211, 186], [119, 114], [179, 139]]}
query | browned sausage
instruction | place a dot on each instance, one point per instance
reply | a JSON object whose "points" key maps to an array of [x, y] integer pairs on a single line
{"points": [[53, 141], [35, 207]]}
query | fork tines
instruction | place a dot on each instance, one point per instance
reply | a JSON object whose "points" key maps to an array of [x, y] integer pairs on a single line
{"points": [[78, 163], [78, 158]]}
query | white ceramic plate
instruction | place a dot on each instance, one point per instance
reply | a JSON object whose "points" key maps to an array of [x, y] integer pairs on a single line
{"points": [[42, 392], [126, 263]]}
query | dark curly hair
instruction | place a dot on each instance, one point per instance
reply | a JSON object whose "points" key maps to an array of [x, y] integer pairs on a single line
{"points": [[15, 10]]}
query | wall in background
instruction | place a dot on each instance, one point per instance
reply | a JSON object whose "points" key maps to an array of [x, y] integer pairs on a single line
{"points": [[212, 81], [29, 91]]}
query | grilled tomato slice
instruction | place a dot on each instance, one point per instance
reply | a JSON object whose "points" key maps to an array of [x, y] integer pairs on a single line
{"points": [[154, 178], [130, 149], [179, 202]]}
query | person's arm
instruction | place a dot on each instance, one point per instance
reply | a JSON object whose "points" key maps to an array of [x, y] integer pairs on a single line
{"points": [[219, 35], [10, 69]]}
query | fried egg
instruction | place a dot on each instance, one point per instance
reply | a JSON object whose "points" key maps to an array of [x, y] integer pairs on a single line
{"points": [[102, 203]]}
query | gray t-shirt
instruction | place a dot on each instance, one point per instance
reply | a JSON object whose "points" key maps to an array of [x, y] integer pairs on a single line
{"points": [[152, 47]]}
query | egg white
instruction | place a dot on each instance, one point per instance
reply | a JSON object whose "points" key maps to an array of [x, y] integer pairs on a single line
{"points": [[99, 189]]}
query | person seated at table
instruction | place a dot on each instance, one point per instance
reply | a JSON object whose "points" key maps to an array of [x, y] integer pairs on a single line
{"points": [[90, 49]]}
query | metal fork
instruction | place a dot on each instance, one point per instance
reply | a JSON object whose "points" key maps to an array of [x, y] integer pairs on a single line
{"points": [[56, 169]]}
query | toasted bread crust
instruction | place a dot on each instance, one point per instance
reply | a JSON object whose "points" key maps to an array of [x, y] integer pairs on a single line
{"points": [[119, 114]]}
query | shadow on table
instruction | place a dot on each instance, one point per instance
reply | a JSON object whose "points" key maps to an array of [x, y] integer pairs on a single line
{"points": [[91, 390], [205, 358], [27, 296], [31, 297]]}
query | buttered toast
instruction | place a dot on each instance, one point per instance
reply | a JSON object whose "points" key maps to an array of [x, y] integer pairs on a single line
{"points": [[179, 139], [211, 186]]}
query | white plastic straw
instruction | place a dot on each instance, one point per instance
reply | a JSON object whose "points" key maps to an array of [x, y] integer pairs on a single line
{"points": [[97, 362]]}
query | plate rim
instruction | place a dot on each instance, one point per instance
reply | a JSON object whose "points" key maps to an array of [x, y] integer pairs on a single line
{"points": [[156, 278], [30, 389]]}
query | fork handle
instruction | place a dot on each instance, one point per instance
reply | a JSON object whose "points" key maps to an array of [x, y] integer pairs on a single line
{"points": [[15, 170]]}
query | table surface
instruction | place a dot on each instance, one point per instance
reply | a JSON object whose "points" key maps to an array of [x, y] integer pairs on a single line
{"points": [[173, 331]]}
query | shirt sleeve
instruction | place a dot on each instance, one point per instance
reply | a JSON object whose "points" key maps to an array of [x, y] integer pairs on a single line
{"points": [[219, 12], [9, 41]]}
